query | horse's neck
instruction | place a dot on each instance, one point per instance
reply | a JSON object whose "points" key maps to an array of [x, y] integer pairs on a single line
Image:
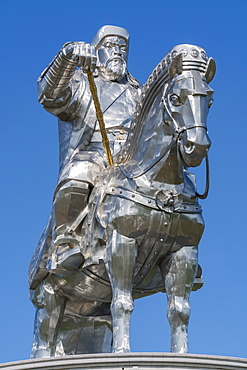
{"points": [[149, 139], [166, 174], [148, 154], [168, 171]]}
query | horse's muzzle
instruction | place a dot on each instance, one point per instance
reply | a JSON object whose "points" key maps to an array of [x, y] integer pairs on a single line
{"points": [[193, 146]]}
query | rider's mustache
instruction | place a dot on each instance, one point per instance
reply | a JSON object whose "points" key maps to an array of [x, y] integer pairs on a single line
{"points": [[112, 59], [116, 57]]}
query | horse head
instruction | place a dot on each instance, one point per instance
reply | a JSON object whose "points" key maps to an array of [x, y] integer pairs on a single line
{"points": [[187, 99], [172, 110]]}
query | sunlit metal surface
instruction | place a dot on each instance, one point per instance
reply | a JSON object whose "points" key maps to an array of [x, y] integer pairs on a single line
{"points": [[150, 360], [132, 229]]}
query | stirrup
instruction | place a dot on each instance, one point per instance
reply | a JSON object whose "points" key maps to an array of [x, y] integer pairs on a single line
{"points": [[71, 239], [66, 256], [67, 263]]}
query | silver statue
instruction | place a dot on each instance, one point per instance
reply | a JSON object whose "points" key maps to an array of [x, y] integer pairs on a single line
{"points": [[131, 229]]}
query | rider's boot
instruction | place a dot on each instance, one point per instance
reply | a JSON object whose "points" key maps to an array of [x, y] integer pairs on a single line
{"points": [[69, 202]]}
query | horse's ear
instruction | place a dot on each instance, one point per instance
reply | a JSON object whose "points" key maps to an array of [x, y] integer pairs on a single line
{"points": [[176, 66], [211, 69]]}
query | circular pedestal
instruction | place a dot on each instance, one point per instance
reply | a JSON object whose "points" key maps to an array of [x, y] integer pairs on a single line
{"points": [[135, 361]]}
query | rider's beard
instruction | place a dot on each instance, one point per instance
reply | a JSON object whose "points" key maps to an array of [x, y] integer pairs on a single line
{"points": [[114, 69]]}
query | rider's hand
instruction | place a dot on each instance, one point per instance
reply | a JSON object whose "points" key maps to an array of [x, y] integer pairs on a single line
{"points": [[81, 52]]}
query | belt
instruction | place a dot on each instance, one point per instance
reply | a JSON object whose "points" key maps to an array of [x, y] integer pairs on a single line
{"points": [[120, 134], [164, 200]]}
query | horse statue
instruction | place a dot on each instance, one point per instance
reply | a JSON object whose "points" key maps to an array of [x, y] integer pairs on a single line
{"points": [[143, 223]]}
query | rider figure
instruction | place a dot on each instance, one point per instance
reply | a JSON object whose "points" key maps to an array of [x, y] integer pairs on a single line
{"points": [[64, 91]]}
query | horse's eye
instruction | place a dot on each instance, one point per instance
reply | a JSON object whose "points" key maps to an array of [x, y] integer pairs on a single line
{"points": [[175, 100]]}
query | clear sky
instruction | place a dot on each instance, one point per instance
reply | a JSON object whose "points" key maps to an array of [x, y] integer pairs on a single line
{"points": [[32, 32]]}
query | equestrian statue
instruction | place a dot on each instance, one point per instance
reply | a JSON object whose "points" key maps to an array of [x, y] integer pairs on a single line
{"points": [[125, 220]]}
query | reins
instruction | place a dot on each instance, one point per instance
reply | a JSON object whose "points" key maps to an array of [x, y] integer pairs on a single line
{"points": [[205, 194]]}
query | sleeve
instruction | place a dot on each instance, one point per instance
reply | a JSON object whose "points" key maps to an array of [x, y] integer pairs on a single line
{"points": [[66, 106], [61, 86]]}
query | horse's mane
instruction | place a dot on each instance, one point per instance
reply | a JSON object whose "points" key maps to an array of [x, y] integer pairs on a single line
{"points": [[193, 57]]}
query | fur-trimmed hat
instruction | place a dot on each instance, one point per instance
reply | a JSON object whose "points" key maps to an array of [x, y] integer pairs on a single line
{"points": [[109, 31]]}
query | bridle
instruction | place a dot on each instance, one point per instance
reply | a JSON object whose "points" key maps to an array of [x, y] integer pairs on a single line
{"points": [[178, 132], [207, 184]]}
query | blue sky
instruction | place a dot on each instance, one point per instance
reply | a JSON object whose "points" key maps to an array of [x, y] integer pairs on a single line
{"points": [[32, 32]]}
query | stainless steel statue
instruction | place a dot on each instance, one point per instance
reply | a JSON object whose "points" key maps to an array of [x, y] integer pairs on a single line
{"points": [[131, 229]]}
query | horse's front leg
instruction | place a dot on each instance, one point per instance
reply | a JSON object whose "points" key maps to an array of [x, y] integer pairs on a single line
{"points": [[179, 274], [120, 264]]}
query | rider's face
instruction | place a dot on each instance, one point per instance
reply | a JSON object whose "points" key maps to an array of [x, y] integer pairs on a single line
{"points": [[112, 57]]}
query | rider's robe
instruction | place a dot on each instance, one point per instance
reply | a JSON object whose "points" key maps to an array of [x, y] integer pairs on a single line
{"points": [[81, 153]]}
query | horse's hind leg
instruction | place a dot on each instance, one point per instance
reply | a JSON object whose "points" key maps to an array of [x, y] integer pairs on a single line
{"points": [[50, 308], [179, 274], [120, 264]]}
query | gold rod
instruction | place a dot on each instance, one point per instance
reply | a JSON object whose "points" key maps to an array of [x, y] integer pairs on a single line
{"points": [[100, 118]]}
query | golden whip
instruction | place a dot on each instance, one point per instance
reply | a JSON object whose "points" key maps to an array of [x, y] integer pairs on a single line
{"points": [[100, 119]]}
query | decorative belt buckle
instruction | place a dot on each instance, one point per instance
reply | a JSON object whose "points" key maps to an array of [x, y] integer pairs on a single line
{"points": [[165, 201], [121, 136]]}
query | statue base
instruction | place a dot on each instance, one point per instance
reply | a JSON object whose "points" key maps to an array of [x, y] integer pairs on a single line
{"points": [[134, 361]]}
